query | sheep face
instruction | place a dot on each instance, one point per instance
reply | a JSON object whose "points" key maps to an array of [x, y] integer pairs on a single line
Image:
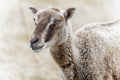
{"points": [[50, 27]]}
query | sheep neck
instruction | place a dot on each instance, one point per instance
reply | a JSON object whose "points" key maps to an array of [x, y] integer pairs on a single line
{"points": [[63, 54]]}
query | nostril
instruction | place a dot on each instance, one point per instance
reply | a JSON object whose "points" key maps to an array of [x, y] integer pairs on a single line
{"points": [[33, 40]]}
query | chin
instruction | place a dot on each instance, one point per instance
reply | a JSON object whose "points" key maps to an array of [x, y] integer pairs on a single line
{"points": [[38, 49]]}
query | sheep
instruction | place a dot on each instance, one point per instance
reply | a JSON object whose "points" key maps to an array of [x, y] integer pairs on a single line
{"points": [[91, 53]]}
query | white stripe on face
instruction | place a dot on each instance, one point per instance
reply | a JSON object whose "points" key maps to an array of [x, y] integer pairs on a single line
{"points": [[43, 35]]}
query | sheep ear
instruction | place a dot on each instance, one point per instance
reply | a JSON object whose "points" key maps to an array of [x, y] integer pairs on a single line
{"points": [[33, 9], [69, 13]]}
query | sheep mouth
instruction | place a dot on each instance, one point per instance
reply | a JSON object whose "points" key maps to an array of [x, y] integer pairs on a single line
{"points": [[38, 48]]}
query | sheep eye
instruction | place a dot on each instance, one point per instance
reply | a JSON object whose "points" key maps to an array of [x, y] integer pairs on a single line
{"points": [[57, 21]]}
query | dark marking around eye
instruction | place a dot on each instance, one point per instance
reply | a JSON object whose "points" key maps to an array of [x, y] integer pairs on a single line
{"points": [[50, 32], [52, 26]]}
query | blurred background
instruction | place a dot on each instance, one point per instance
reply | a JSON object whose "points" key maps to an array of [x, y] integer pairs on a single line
{"points": [[17, 61]]}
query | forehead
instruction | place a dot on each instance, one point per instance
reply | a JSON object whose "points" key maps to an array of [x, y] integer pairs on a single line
{"points": [[47, 13]]}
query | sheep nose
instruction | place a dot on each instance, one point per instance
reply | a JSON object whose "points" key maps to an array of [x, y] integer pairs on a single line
{"points": [[33, 41]]}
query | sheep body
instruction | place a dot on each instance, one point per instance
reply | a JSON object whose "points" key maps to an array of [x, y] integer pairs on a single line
{"points": [[92, 53]]}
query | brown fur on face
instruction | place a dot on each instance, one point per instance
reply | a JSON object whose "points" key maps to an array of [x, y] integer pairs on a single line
{"points": [[41, 23], [44, 18]]}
